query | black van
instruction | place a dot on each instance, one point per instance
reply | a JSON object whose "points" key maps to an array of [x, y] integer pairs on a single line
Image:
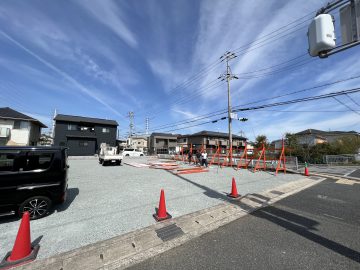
{"points": [[32, 179]]}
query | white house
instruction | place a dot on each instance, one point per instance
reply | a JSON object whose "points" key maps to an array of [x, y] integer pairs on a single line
{"points": [[18, 129]]}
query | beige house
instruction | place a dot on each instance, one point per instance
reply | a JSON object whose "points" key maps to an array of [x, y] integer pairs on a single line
{"points": [[138, 142], [18, 129], [313, 136]]}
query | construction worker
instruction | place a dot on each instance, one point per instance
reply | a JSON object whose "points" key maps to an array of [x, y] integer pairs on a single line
{"points": [[204, 159], [189, 156], [198, 157]]}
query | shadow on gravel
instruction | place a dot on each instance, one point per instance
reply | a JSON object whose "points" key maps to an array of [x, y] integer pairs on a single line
{"points": [[304, 226], [207, 191], [211, 193], [70, 197]]}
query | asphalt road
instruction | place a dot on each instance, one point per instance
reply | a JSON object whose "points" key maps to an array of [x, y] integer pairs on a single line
{"points": [[318, 228], [353, 171]]}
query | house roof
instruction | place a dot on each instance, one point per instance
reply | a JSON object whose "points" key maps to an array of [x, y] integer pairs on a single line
{"points": [[8, 113], [77, 119], [216, 134], [324, 133], [158, 134]]}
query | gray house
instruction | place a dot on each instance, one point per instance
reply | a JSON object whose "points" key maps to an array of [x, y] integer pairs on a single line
{"points": [[210, 140], [83, 135], [162, 143]]}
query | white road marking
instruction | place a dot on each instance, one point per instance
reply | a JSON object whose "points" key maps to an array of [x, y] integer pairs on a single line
{"points": [[346, 182], [350, 172], [327, 215], [324, 197]]}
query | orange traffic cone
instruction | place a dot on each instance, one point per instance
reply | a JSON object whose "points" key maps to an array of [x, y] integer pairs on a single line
{"points": [[161, 211], [22, 251], [306, 171], [234, 193]]}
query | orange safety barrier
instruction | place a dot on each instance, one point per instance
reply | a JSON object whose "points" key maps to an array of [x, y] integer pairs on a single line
{"points": [[244, 157], [217, 154], [228, 161], [263, 157], [281, 166]]}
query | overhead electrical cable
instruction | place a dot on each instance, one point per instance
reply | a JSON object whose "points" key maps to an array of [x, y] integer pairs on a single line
{"points": [[299, 100], [219, 112]]}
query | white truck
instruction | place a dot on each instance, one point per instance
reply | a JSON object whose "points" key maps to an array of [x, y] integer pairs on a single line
{"points": [[109, 155]]}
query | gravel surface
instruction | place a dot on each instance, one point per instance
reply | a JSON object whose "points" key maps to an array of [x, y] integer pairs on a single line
{"points": [[104, 202]]}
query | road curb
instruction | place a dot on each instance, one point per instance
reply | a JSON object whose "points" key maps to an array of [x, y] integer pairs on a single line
{"points": [[125, 250]]}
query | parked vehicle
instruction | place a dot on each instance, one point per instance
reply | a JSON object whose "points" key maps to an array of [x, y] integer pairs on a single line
{"points": [[32, 179], [109, 154], [129, 152]]}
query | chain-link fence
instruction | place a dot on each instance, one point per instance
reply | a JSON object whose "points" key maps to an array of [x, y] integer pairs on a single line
{"points": [[339, 159]]}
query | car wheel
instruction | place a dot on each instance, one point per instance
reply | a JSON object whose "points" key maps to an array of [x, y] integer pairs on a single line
{"points": [[118, 162], [104, 163], [141, 155], [37, 206], [127, 155], [101, 161]]}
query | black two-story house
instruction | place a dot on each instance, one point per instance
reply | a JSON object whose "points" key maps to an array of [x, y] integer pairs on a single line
{"points": [[83, 135]]}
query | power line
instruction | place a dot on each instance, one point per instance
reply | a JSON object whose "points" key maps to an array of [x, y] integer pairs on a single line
{"points": [[279, 29], [333, 94], [305, 111], [353, 100], [270, 67], [247, 48], [300, 100], [220, 112], [338, 100], [276, 71]]}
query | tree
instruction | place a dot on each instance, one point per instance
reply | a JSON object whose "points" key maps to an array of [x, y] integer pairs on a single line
{"points": [[260, 140], [347, 145]]}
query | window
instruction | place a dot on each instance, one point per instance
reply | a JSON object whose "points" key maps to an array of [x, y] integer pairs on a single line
{"points": [[72, 127], [106, 130], [38, 161], [83, 144], [7, 161], [173, 140], [21, 125], [84, 128], [139, 142], [62, 144]]}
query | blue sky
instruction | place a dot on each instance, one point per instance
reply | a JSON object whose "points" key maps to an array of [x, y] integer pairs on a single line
{"points": [[106, 58]]}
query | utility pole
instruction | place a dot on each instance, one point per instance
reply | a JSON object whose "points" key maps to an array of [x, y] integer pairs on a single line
{"points": [[52, 135], [228, 76], [147, 125], [131, 125]]}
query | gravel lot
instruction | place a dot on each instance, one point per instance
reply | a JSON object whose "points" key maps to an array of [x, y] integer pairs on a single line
{"points": [[107, 201]]}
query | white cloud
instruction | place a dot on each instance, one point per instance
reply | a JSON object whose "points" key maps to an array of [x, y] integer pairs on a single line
{"points": [[66, 76], [108, 13]]}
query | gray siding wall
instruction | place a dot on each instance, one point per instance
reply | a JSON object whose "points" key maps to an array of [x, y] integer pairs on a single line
{"points": [[34, 134]]}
